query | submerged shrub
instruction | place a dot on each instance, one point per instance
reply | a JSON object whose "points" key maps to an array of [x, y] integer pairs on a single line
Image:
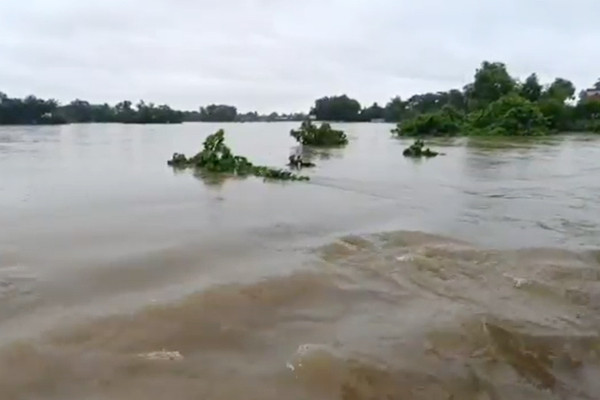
{"points": [[216, 157], [417, 150], [446, 122], [511, 115], [323, 136]]}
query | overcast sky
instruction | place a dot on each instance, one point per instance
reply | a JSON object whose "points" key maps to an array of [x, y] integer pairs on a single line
{"points": [[282, 54]]}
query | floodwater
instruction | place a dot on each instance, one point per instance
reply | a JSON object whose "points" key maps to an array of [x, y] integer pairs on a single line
{"points": [[472, 276]]}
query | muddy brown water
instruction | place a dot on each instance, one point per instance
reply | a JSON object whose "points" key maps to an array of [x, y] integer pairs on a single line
{"points": [[470, 276]]}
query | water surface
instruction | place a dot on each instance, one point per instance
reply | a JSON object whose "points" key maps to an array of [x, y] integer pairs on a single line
{"points": [[469, 275]]}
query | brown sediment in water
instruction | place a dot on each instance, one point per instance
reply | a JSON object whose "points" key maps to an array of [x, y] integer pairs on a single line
{"points": [[404, 315]]}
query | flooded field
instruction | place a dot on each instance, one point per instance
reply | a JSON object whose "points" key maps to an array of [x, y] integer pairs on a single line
{"points": [[475, 275]]}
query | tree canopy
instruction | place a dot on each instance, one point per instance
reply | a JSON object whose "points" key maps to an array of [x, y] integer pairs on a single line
{"points": [[561, 90], [375, 112], [496, 103], [336, 108], [218, 113], [491, 82], [32, 111], [28, 111], [531, 89], [319, 136]]}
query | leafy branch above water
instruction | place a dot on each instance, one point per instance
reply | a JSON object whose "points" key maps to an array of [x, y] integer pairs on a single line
{"points": [[217, 158]]}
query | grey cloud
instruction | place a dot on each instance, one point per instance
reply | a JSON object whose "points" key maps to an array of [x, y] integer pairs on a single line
{"points": [[281, 55]]}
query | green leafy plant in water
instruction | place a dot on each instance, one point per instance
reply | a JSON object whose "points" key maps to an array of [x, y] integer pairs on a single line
{"points": [[418, 150], [446, 122], [216, 157], [322, 136], [510, 115]]}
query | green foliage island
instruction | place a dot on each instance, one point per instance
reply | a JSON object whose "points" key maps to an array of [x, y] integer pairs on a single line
{"points": [[217, 158], [324, 135]]}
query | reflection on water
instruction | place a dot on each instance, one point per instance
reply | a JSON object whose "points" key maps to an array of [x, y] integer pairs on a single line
{"points": [[101, 241]]}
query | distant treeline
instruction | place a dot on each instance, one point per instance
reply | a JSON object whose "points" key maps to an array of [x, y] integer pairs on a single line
{"points": [[555, 102], [35, 111], [494, 95], [227, 113]]}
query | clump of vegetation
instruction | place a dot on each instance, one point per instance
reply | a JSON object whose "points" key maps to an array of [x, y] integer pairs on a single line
{"points": [[323, 136], [217, 158], [418, 150], [496, 103], [296, 161], [446, 122], [29, 111], [510, 115]]}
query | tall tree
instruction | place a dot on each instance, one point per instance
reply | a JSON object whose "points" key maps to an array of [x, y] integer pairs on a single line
{"points": [[372, 113], [394, 110], [218, 113], [531, 89], [492, 81], [456, 99], [427, 102], [336, 108], [561, 90]]}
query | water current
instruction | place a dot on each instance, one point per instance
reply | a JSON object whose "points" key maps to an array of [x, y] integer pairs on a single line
{"points": [[475, 275]]}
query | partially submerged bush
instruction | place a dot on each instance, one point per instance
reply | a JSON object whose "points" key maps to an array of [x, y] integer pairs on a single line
{"points": [[216, 157], [446, 122], [297, 161], [417, 150], [510, 115], [323, 136]]}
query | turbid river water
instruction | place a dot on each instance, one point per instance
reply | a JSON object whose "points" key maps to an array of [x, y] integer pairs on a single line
{"points": [[472, 276]]}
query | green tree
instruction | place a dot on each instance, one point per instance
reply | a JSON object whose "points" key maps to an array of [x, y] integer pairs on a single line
{"points": [[561, 90], [372, 113], [394, 110], [124, 112], [336, 108], [78, 111], [446, 122], [28, 111], [557, 113], [511, 115], [492, 81], [456, 99], [425, 103], [531, 89], [310, 134], [103, 113], [218, 113], [586, 115]]}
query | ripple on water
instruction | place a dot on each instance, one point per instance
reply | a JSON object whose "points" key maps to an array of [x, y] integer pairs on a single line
{"points": [[402, 315]]}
